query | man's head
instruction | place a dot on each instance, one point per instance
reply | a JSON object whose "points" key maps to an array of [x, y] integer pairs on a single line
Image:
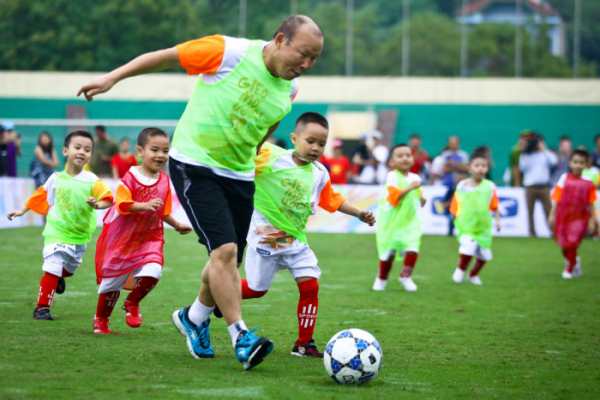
{"points": [[377, 136], [310, 135], [453, 143], [578, 161], [100, 132], [414, 141], [298, 42], [564, 145], [597, 141]]}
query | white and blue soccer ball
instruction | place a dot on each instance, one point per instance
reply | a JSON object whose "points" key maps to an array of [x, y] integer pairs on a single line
{"points": [[353, 357]]}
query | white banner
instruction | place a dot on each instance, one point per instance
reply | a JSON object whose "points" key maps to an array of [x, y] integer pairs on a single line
{"points": [[14, 192]]}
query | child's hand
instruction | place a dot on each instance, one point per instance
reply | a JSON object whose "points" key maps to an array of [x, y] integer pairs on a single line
{"points": [[17, 213], [367, 217], [92, 202], [551, 222], [414, 185], [423, 201], [498, 225], [591, 226], [152, 205], [183, 229]]}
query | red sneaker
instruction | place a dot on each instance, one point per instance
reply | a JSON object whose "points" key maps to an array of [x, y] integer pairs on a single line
{"points": [[101, 326], [307, 350], [133, 316]]}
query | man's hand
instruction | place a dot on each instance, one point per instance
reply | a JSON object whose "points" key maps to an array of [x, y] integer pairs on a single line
{"points": [[152, 205], [183, 229], [367, 217], [98, 85]]}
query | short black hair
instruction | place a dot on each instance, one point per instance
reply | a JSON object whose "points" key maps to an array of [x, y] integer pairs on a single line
{"points": [[124, 139], [564, 137], [76, 134], [397, 147], [147, 133], [580, 152], [309, 117], [100, 128], [290, 25], [414, 136], [479, 152]]}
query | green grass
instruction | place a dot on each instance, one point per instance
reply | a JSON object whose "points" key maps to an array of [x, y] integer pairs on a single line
{"points": [[526, 333]]}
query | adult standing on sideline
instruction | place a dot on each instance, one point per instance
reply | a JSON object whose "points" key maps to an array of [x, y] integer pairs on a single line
{"points": [[10, 149], [245, 89], [105, 148], [596, 153], [455, 166], [45, 159], [516, 178], [565, 149], [536, 163]]}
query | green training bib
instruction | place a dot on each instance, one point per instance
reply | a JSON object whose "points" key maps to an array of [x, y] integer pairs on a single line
{"points": [[473, 214]]}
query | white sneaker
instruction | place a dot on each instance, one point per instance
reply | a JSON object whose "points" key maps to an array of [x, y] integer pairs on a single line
{"points": [[379, 284], [566, 275], [458, 276], [577, 272], [409, 285], [475, 280]]}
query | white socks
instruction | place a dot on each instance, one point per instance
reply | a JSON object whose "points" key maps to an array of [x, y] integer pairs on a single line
{"points": [[235, 329], [199, 313]]}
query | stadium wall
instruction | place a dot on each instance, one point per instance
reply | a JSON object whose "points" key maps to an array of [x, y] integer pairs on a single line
{"points": [[480, 111]]}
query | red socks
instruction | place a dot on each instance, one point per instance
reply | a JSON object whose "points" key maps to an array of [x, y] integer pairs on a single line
{"points": [[463, 262], [106, 303], [47, 288], [143, 286], [410, 259], [476, 267], [571, 257], [248, 293], [307, 309], [384, 269]]}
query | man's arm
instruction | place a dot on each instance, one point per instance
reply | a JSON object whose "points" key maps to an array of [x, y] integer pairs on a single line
{"points": [[146, 63], [516, 175], [271, 130]]}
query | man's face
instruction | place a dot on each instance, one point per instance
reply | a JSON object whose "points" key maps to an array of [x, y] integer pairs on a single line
{"points": [[565, 147], [300, 55], [100, 134], [414, 143], [453, 143]]}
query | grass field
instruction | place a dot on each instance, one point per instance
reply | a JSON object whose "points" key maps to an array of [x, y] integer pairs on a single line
{"points": [[526, 333]]}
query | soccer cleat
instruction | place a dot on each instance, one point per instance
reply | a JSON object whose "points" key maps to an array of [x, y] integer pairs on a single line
{"points": [[408, 284], [307, 350], [577, 272], [217, 313], [475, 280], [133, 317], [101, 326], [198, 337], [567, 275], [42, 313], [61, 286], [379, 284], [458, 276], [251, 350]]}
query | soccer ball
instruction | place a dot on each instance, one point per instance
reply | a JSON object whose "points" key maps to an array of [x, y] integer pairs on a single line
{"points": [[353, 357]]}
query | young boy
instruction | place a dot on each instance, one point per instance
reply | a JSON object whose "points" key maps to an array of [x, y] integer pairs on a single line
{"points": [[399, 227], [70, 198], [473, 200], [289, 186], [131, 243], [572, 211]]}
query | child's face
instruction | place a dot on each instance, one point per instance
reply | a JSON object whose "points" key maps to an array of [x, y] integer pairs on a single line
{"points": [[478, 168], [44, 140], [125, 146], [402, 159], [310, 143], [577, 164], [155, 153], [79, 151]]}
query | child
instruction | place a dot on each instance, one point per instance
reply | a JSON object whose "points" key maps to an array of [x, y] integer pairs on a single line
{"points": [[573, 211], [123, 160], [289, 185], [471, 205], [399, 228], [70, 221], [131, 243]]}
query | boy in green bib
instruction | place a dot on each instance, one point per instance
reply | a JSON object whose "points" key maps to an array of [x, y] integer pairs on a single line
{"points": [[399, 228], [473, 200], [70, 198]]}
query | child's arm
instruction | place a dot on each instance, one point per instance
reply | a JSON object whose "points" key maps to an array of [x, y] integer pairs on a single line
{"points": [[410, 187], [115, 173], [17, 213], [98, 205], [365, 216], [152, 205], [183, 229], [592, 221], [497, 216], [552, 216]]}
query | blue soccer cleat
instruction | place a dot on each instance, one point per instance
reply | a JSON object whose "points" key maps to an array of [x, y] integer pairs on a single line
{"points": [[198, 337], [251, 350]]}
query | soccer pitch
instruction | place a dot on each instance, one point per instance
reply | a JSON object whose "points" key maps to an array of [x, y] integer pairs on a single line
{"points": [[526, 333]]}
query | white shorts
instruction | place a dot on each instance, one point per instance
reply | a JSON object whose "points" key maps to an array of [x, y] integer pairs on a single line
{"points": [[59, 256], [470, 247], [152, 270], [392, 253], [260, 270]]}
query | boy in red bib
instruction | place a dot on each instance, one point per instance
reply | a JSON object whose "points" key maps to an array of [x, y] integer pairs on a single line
{"points": [[129, 253], [572, 211]]}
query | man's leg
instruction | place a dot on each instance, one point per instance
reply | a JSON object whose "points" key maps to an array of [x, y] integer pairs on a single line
{"points": [[530, 196], [546, 202]]}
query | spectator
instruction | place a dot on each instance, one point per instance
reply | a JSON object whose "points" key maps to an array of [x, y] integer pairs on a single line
{"points": [[45, 160], [123, 160], [516, 179], [536, 162], [104, 150], [596, 153], [420, 156], [361, 156], [380, 158], [455, 161], [487, 153], [437, 169], [564, 155], [340, 170], [10, 148]]}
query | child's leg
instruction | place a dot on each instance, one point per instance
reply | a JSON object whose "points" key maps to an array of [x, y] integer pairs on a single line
{"points": [[571, 257], [146, 278], [410, 259], [477, 266], [108, 294], [48, 285], [467, 249], [385, 264], [464, 261], [248, 293]]}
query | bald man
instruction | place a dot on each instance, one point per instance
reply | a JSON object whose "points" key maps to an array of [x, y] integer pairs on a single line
{"points": [[246, 88]]}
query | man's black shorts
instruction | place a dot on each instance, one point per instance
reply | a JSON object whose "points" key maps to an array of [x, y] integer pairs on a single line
{"points": [[219, 208]]}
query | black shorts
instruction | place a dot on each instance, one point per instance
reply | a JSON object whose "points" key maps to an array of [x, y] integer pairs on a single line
{"points": [[220, 209]]}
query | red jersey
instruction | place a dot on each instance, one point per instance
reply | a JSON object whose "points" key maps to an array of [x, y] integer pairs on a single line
{"points": [[421, 157], [123, 165], [338, 169]]}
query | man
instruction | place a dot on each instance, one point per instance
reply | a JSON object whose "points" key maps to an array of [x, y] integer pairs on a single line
{"points": [[536, 163], [564, 155], [361, 156], [455, 167], [516, 180], [10, 149], [105, 149], [375, 170], [245, 89], [596, 153]]}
